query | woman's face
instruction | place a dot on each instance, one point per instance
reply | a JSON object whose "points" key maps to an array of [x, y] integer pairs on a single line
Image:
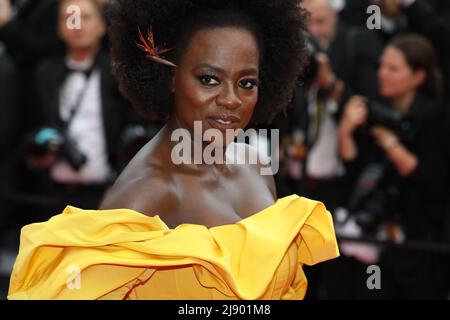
{"points": [[395, 76], [216, 81]]}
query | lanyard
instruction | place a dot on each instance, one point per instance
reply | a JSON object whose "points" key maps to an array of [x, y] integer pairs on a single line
{"points": [[77, 105]]}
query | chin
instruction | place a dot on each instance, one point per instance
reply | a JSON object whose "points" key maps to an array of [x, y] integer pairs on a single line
{"points": [[81, 45], [222, 143], [386, 94]]}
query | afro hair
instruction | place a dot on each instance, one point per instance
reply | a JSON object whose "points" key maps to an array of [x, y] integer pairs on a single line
{"points": [[279, 26]]}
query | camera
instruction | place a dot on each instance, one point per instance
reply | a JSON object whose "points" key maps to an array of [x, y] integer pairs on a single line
{"points": [[372, 206], [382, 115], [366, 204], [47, 141]]}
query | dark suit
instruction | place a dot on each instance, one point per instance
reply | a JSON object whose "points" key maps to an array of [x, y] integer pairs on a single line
{"points": [[116, 112], [116, 115], [32, 35], [9, 121], [446, 232], [9, 131]]}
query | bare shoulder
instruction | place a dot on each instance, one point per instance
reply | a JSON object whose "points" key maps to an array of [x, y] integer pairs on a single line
{"points": [[148, 190], [257, 160]]}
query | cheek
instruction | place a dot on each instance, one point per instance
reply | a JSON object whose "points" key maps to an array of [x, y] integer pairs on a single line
{"points": [[388, 77], [328, 28], [190, 98], [249, 102], [385, 80], [393, 83], [97, 28], [91, 28], [402, 81]]}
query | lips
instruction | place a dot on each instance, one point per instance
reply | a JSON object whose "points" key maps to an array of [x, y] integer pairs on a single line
{"points": [[224, 122]]}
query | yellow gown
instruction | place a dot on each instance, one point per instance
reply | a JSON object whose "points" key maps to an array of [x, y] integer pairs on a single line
{"points": [[123, 254]]}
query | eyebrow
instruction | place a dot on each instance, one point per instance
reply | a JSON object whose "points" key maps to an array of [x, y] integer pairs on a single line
{"points": [[220, 70]]}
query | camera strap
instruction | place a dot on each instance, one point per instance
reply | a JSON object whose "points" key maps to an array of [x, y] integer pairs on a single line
{"points": [[77, 104]]}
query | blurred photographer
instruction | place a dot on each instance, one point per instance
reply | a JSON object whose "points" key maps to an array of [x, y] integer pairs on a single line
{"points": [[430, 18], [310, 164], [309, 132], [412, 184], [339, 67], [79, 116]]}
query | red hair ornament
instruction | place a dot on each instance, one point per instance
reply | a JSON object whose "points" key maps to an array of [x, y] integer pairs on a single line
{"points": [[153, 52]]}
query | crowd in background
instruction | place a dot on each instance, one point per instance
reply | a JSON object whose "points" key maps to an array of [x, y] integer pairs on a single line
{"points": [[367, 133]]}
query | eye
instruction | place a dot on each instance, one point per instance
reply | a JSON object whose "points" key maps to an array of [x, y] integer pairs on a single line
{"points": [[208, 80], [248, 84]]}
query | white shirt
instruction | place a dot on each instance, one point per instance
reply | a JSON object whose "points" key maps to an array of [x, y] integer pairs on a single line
{"points": [[86, 128], [323, 161], [338, 5]]}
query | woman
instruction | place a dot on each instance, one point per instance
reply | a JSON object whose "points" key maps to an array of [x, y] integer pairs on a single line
{"points": [[412, 187], [190, 230]]}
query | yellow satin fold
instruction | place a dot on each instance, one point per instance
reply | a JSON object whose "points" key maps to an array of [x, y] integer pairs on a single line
{"points": [[122, 254]]}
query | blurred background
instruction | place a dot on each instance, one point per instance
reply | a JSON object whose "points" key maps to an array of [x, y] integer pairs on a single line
{"points": [[367, 133]]}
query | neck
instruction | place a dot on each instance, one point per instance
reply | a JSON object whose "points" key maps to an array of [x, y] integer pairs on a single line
{"points": [[83, 54], [403, 103], [196, 162]]}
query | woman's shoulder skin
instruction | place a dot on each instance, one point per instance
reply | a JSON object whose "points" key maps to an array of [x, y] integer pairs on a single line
{"points": [[145, 186]]}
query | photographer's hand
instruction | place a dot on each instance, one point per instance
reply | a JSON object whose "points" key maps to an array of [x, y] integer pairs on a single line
{"points": [[404, 161], [355, 115], [5, 12], [42, 163], [385, 138], [327, 80], [325, 75]]}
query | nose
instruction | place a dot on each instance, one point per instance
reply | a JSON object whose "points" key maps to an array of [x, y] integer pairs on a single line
{"points": [[228, 97]]}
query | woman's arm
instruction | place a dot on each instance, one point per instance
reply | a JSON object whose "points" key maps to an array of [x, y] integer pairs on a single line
{"points": [[425, 166], [403, 159]]}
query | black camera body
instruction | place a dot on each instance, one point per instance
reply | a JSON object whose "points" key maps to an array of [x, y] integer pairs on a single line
{"points": [[382, 115], [49, 140], [366, 204]]}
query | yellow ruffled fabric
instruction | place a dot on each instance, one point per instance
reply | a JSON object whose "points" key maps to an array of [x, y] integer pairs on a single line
{"points": [[123, 254]]}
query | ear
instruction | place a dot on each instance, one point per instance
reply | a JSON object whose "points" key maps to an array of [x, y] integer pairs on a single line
{"points": [[419, 77]]}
